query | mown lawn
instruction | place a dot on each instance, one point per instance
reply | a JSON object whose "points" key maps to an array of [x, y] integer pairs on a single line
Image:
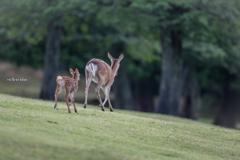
{"points": [[32, 129]]}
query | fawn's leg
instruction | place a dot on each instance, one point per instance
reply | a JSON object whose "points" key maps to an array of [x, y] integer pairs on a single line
{"points": [[88, 82], [75, 109], [66, 100], [73, 100], [70, 96], [58, 90]]}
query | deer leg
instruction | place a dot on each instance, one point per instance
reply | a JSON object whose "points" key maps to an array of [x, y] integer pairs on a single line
{"points": [[110, 105], [73, 101], [70, 103], [88, 82], [100, 100], [100, 81], [70, 96], [75, 109], [66, 99], [109, 102], [105, 90], [56, 94], [58, 90]]}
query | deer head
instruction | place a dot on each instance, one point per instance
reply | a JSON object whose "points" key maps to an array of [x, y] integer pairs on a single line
{"points": [[75, 74], [115, 63]]}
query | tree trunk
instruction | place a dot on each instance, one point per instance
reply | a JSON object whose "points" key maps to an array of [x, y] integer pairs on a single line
{"points": [[143, 96], [172, 70], [122, 88], [226, 116], [190, 102], [51, 59]]}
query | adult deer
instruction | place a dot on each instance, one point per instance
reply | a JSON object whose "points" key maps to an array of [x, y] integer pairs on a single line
{"points": [[70, 85], [101, 73]]}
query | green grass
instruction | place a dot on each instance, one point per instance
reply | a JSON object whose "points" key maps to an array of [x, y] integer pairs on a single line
{"points": [[32, 129]]}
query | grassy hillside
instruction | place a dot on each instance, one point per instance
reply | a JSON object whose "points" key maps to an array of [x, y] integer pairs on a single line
{"points": [[32, 129]]}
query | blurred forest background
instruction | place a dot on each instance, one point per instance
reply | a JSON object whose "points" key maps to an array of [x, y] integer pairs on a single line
{"points": [[182, 57]]}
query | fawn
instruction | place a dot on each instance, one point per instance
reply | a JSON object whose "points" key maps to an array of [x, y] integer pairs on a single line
{"points": [[70, 85], [101, 73]]}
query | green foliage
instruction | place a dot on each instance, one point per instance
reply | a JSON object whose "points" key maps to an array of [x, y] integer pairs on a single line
{"points": [[197, 22], [22, 52], [87, 32], [200, 52], [140, 48], [208, 29]]}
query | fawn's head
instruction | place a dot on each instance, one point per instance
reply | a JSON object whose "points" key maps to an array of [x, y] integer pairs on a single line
{"points": [[115, 63], [75, 74]]}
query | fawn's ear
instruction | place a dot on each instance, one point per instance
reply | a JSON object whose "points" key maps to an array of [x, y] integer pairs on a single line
{"points": [[77, 71], [109, 56], [120, 57], [71, 71]]}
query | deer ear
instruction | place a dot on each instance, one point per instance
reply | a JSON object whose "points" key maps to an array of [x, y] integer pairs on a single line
{"points": [[109, 56], [76, 70], [120, 57], [71, 71]]}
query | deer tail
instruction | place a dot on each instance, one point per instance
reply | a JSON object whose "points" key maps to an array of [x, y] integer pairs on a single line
{"points": [[92, 68], [60, 81]]}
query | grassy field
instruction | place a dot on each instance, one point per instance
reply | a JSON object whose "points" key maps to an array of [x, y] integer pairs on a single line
{"points": [[32, 129]]}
